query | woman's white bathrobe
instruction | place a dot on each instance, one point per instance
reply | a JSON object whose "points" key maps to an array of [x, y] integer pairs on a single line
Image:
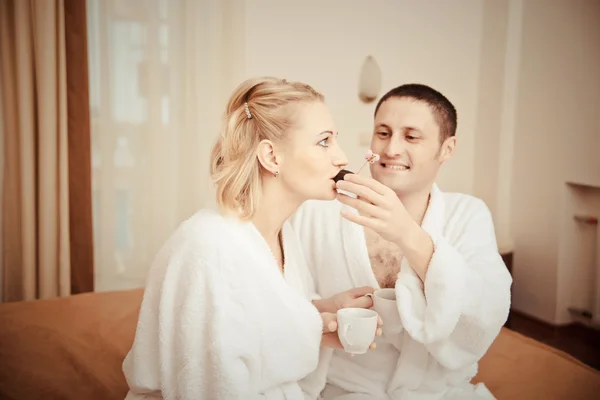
{"points": [[218, 319], [447, 324]]}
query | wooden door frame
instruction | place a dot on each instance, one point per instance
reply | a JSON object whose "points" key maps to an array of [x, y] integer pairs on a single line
{"points": [[79, 147]]}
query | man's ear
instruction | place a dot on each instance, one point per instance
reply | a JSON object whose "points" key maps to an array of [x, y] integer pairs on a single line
{"points": [[447, 149], [267, 158]]}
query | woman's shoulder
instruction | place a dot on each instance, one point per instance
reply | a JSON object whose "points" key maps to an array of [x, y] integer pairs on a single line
{"points": [[206, 227], [203, 238], [198, 253]]}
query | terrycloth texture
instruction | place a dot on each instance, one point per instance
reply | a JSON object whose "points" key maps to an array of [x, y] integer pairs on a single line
{"points": [[71, 348], [447, 324], [219, 321]]}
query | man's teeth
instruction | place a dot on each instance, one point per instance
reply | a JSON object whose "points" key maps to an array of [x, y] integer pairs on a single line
{"points": [[397, 167]]}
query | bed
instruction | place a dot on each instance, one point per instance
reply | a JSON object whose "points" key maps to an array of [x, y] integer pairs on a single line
{"points": [[72, 348]]}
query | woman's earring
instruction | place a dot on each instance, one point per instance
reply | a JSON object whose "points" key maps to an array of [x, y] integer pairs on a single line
{"points": [[276, 174]]}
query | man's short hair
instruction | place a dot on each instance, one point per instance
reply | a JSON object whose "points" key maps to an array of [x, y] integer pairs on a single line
{"points": [[443, 110]]}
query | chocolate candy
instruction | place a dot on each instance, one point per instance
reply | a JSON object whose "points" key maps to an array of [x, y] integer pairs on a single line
{"points": [[341, 175]]}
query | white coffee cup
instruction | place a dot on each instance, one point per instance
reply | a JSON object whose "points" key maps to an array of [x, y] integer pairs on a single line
{"points": [[356, 329], [384, 303]]}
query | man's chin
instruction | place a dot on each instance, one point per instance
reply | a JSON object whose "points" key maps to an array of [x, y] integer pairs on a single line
{"points": [[393, 182]]}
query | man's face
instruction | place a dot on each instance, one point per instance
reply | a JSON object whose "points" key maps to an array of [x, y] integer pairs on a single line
{"points": [[407, 138]]}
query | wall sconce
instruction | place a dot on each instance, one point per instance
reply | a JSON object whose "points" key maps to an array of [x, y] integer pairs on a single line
{"points": [[369, 84]]}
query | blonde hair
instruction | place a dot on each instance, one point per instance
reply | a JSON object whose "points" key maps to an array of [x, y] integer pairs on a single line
{"points": [[257, 110]]}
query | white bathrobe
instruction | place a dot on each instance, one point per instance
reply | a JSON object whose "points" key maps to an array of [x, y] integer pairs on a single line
{"points": [[447, 324], [218, 319]]}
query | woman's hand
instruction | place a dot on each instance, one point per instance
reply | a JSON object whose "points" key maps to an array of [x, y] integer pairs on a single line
{"points": [[330, 336]]}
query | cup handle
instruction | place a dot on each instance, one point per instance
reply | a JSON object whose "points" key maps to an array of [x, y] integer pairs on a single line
{"points": [[346, 328]]}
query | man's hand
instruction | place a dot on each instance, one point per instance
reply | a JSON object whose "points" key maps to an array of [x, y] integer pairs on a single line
{"points": [[330, 336], [380, 209], [353, 298]]}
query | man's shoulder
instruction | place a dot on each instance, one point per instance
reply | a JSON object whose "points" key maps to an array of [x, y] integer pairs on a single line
{"points": [[468, 220], [464, 205]]}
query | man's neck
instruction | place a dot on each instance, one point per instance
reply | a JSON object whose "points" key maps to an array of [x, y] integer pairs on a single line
{"points": [[416, 203]]}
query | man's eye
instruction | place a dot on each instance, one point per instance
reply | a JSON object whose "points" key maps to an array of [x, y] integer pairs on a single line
{"points": [[384, 134]]}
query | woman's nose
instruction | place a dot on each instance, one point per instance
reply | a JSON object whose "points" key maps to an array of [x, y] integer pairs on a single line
{"points": [[339, 158]]}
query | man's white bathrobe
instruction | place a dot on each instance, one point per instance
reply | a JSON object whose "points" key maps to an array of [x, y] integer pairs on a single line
{"points": [[447, 323], [218, 319]]}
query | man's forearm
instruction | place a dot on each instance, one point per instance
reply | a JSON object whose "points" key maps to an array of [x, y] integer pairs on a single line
{"points": [[418, 249]]}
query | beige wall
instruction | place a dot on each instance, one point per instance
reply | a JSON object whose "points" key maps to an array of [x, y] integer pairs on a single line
{"points": [[557, 138], [319, 42], [523, 75]]}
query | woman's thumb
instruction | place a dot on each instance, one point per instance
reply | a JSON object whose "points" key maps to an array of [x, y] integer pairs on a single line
{"points": [[329, 322]]}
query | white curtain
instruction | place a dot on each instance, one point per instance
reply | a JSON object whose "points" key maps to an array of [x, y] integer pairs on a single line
{"points": [[160, 73]]}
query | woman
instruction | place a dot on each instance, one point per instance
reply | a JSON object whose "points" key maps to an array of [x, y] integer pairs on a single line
{"points": [[225, 312]]}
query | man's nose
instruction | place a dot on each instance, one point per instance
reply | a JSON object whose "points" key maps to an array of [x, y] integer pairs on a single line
{"points": [[394, 147]]}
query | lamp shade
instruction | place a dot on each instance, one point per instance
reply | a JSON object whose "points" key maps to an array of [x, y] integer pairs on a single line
{"points": [[369, 84]]}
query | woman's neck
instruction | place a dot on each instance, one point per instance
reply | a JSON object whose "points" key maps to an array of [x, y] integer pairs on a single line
{"points": [[272, 212]]}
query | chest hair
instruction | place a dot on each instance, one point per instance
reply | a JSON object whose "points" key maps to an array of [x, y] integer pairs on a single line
{"points": [[385, 259]]}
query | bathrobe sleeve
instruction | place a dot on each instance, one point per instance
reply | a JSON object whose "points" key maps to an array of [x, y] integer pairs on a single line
{"points": [[190, 322], [465, 299]]}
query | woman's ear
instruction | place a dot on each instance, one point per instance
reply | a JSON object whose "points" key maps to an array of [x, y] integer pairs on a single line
{"points": [[267, 158], [447, 149]]}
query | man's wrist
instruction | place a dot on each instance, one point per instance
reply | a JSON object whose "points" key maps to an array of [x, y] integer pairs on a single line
{"points": [[417, 246], [409, 236]]}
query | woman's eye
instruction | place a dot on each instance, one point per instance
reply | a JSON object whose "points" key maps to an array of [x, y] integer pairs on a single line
{"points": [[324, 142]]}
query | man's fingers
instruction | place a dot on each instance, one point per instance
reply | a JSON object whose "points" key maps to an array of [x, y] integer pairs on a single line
{"points": [[370, 183], [363, 207], [361, 291], [367, 222], [362, 302], [361, 191]]}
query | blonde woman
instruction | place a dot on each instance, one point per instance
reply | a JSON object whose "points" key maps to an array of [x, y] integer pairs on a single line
{"points": [[225, 313]]}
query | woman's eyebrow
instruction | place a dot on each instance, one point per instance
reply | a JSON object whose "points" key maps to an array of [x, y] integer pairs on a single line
{"points": [[325, 133]]}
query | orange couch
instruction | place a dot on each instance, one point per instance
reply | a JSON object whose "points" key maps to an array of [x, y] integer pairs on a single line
{"points": [[73, 347]]}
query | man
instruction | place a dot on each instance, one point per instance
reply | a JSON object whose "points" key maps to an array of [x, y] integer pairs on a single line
{"points": [[437, 250]]}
